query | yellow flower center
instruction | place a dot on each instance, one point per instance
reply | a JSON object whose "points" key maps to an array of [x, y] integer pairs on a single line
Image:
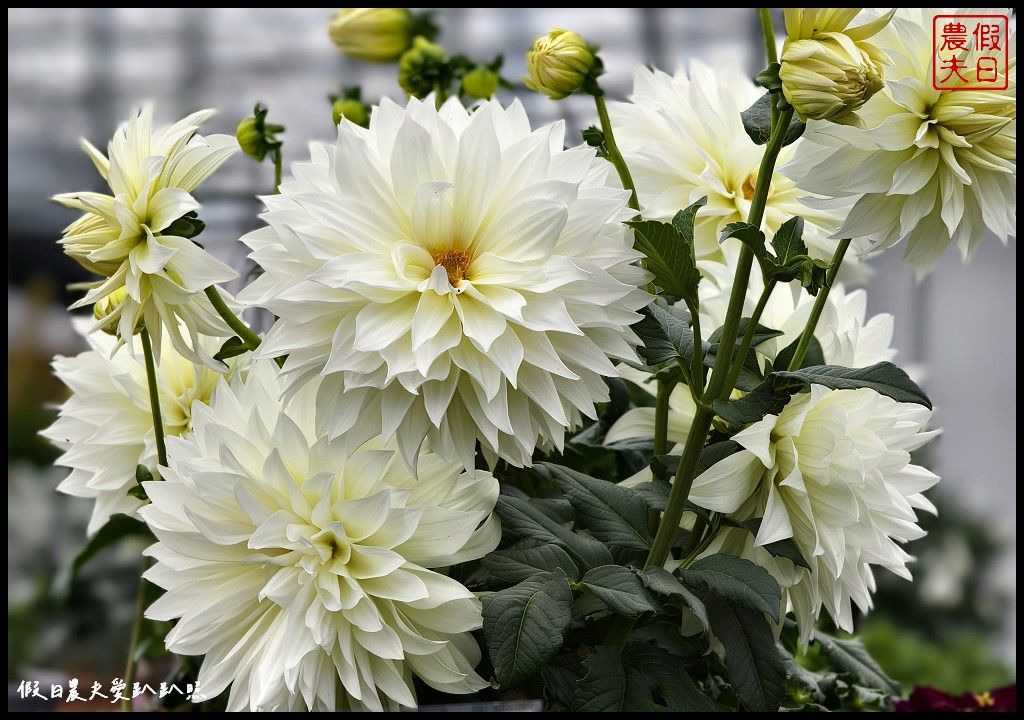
{"points": [[455, 262], [748, 187], [985, 700]]}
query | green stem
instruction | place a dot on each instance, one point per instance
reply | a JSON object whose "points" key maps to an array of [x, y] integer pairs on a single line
{"points": [[154, 398], [277, 171], [698, 353], [613, 152], [819, 305], [133, 642], [251, 339], [768, 30], [661, 408], [748, 338], [723, 362]]}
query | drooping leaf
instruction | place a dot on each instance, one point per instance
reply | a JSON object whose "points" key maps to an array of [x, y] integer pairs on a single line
{"points": [[614, 514], [884, 378], [664, 583], [757, 122], [814, 355], [755, 664], [850, 656], [739, 581], [524, 626], [762, 400], [620, 589], [526, 520], [516, 564]]}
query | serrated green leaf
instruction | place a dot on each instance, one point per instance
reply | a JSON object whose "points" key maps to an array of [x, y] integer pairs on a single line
{"points": [[614, 514], [620, 589], [884, 378], [782, 548], [518, 564], [850, 656], [739, 581], [655, 493], [755, 664], [670, 254], [788, 241], [761, 334], [666, 334], [603, 688], [560, 676], [524, 626], [118, 527], [757, 122], [664, 583], [684, 220], [762, 400], [527, 521], [749, 235]]}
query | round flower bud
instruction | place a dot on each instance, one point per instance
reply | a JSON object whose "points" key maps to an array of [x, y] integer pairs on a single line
{"points": [[828, 78], [250, 137], [372, 34], [352, 110], [559, 64], [481, 82], [422, 67]]}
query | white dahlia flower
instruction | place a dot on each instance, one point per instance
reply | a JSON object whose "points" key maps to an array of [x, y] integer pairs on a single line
{"points": [[129, 237], [452, 276], [931, 166], [683, 139], [106, 427], [299, 567], [832, 472]]}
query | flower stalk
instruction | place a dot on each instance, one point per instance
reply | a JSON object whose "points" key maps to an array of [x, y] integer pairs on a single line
{"points": [[614, 155], [819, 305], [251, 339]]}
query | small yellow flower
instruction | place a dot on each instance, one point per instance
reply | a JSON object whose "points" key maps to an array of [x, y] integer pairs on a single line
{"points": [[559, 64], [828, 71], [372, 34]]}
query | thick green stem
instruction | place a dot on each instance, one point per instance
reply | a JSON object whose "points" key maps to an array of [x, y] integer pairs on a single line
{"points": [[661, 408], [819, 305], [613, 152], [154, 398], [133, 642], [768, 30], [277, 171], [748, 338], [723, 362], [251, 339], [697, 371]]}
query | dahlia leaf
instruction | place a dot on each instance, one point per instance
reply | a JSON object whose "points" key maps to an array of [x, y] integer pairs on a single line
{"points": [[755, 664], [620, 589], [884, 378], [524, 625], [670, 251], [615, 515], [757, 122], [850, 656], [666, 335], [739, 581], [652, 671], [524, 519], [516, 564], [664, 583], [603, 688]]}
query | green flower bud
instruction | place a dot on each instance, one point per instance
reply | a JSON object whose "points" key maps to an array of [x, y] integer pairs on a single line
{"points": [[423, 68], [372, 34], [559, 64], [256, 136], [353, 110], [481, 82]]}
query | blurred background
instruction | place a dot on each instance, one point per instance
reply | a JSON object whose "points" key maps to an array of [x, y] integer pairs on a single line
{"points": [[78, 72]]}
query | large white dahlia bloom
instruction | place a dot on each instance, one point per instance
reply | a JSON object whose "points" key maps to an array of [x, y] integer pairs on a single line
{"points": [[682, 138], [452, 276], [299, 568], [106, 427], [832, 472], [931, 166], [129, 237]]}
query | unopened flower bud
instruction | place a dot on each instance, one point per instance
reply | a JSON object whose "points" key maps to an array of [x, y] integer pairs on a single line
{"points": [[422, 68], [372, 34], [355, 111], [481, 82], [559, 64], [256, 136], [107, 310]]}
